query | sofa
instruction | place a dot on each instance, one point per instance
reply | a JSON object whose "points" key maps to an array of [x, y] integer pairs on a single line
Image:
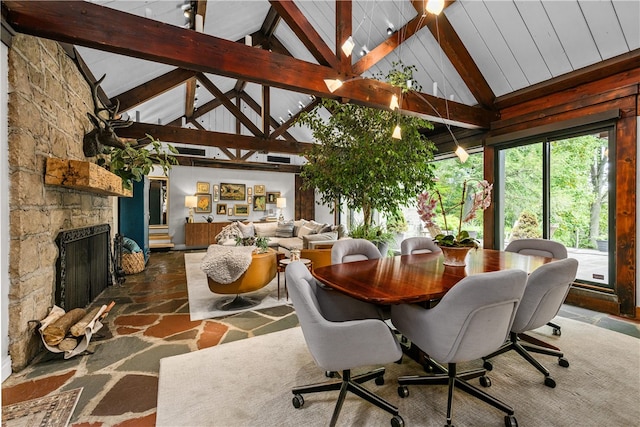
{"points": [[284, 235]]}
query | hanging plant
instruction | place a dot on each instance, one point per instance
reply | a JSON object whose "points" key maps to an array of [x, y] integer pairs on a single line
{"points": [[132, 164]]}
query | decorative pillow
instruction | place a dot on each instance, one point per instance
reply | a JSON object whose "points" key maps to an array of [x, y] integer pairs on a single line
{"points": [[129, 246], [285, 229], [318, 237], [266, 229], [306, 230], [247, 230], [297, 224], [229, 232], [341, 229], [325, 228]]}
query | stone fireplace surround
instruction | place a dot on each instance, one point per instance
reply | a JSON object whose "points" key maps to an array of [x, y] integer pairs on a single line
{"points": [[48, 102]]}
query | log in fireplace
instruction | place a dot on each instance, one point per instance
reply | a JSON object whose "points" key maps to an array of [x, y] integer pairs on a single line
{"points": [[84, 267]]}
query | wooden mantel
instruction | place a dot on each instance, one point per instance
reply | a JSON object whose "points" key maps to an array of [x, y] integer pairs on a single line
{"points": [[85, 176]]}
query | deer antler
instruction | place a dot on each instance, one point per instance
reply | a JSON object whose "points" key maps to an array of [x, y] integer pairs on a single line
{"points": [[103, 132]]}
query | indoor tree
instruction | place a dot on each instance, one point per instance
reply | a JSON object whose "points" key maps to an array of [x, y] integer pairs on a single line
{"points": [[358, 162]]}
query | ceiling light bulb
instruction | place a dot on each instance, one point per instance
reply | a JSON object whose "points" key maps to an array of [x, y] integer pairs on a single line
{"points": [[364, 50], [333, 84], [300, 104], [435, 6], [397, 133], [348, 45], [394, 102], [390, 29], [462, 154]]}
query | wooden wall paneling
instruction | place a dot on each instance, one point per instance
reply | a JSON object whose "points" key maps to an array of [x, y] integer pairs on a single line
{"points": [[305, 201]]}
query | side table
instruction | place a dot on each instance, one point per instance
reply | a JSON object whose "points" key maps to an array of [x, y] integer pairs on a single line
{"points": [[282, 266]]}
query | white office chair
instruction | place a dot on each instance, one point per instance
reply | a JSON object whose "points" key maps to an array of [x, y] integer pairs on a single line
{"points": [[474, 316], [546, 290], [418, 245], [540, 247], [341, 333]]}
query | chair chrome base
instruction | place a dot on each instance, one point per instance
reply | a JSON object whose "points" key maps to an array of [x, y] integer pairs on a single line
{"points": [[451, 378], [352, 384], [523, 350]]}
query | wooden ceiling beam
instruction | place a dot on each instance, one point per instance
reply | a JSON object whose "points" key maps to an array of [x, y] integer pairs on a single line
{"points": [[208, 138], [146, 91], [274, 123], [344, 30], [308, 35], [236, 164], [229, 105], [286, 125], [98, 27], [391, 43]]}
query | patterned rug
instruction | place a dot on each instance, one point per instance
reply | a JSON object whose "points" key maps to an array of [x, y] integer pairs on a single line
{"points": [[48, 411]]}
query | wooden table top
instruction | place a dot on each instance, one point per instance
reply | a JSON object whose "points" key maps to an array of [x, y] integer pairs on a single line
{"points": [[416, 278]]}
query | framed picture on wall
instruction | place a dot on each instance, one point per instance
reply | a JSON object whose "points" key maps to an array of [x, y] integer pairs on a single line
{"points": [[242, 210], [216, 192], [202, 187], [221, 209], [232, 191], [259, 203], [259, 190], [249, 196], [203, 204], [230, 211], [272, 197]]}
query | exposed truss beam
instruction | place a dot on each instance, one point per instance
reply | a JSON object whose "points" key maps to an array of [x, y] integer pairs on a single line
{"points": [[146, 91], [207, 138], [344, 12], [308, 35], [234, 164], [274, 123], [101, 28], [286, 125]]}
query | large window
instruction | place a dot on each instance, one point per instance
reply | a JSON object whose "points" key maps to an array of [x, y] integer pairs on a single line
{"points": [[558, 188]]}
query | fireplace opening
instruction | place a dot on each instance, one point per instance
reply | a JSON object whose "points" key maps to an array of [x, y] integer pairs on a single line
{"points": [[84, 265]]}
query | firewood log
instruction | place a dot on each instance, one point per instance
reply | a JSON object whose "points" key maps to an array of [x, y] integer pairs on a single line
{"points": [[68, 344], [57, 331], [77, 330]]}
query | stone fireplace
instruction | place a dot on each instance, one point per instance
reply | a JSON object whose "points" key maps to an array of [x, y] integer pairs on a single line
{"points": [[48, 102]]}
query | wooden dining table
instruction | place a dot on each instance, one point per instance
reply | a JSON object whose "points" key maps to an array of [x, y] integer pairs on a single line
{"points": [[420, 278]]}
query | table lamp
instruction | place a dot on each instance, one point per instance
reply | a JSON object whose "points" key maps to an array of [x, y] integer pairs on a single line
{"points": [[190, 202], [281, 203]]}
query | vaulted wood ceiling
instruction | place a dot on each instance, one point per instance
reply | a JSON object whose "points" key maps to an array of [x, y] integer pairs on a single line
{"points": [[483, 56]]}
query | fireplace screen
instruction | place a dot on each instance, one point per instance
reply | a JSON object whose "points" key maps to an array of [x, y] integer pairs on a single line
{"points": [[84, 265]]}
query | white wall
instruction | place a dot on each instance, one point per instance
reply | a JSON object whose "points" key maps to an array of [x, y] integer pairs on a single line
{"points": [[4, 217], [182, 183]]}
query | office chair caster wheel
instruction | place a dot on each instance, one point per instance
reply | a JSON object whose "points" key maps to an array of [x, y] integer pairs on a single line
{"points": [[550, 382], [330, 374], [557, 332], [380, 380], [403, 391], [487, 365], [397, 421], [510, 421], [563, 362], [485, 381], [297, 401]]}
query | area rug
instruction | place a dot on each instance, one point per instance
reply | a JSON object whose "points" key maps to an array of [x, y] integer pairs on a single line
{"points": [[248, 383], [48, 411], [202, 302]]}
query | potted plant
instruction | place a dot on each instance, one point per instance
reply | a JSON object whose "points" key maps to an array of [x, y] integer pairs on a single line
{"points": [[602, 243], [397, 224], [473, 198], [359, 163], [375, 234]]}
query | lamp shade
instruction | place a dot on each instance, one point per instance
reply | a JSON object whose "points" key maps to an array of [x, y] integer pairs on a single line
{"points": [[281, 202], [190, 201]]}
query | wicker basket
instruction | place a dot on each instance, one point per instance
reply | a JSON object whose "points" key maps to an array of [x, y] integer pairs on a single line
{"points": [[133, 263]]}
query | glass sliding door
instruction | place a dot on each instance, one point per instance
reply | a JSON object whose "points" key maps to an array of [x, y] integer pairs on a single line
{"points": [[558, 189]]}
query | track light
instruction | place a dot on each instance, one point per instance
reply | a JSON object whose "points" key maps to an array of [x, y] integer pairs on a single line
{"points": [[300, 104], [390, 29], [348, 45], [364, 50]]}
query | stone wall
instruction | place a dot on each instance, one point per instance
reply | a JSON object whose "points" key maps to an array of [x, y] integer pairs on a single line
{"points": [[48, 102]]}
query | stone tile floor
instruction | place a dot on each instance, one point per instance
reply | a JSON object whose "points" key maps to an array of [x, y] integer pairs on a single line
{"points": [[150, 321]]}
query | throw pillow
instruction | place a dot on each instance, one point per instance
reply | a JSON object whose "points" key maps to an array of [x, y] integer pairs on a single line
{"points": [[285, 229], [296, 226], [318, 237], [129, 246], [247, 230], [229, 232], [306, 230]]}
